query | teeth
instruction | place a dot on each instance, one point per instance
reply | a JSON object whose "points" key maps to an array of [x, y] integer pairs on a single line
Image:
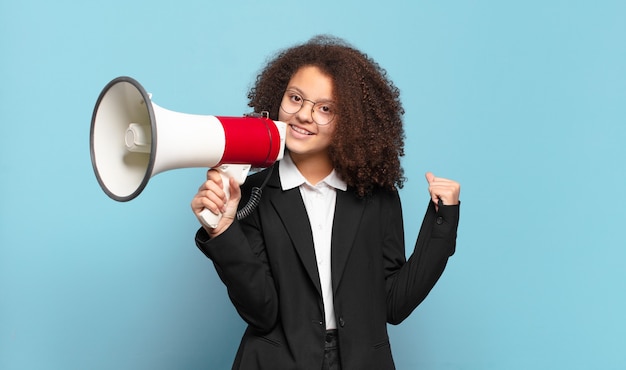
{"points": [[300, 130]]}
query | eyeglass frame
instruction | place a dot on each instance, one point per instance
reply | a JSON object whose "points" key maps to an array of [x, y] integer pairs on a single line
{"points": [[312, 107]]}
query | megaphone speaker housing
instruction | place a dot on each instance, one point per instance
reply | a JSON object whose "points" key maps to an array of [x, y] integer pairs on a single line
{"points": [[133, 139]]}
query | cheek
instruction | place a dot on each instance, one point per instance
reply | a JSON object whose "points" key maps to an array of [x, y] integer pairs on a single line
{"points": [[325, 138], [282, 116], [328, 131]]}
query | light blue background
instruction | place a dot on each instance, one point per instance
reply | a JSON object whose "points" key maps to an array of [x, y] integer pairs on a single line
{"points": [[523, 102]]}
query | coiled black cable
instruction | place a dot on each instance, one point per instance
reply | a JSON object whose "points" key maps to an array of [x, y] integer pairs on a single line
{"points": [[255, 198]]}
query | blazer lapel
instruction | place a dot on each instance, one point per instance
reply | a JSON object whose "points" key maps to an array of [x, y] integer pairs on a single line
{"points": [[348, 212], [290, 208]]}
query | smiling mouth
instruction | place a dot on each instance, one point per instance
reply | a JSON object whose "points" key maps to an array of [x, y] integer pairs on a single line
{"points": [[301, 130]]}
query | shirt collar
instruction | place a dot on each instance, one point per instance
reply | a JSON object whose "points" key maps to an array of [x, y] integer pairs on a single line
{"points": [[290, 176]]}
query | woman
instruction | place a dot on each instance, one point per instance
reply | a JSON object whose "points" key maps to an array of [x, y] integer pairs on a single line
{"points": [[318, 269]]}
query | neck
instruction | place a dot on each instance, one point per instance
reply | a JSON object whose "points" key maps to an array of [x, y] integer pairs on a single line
{"points": [[314, 168]]}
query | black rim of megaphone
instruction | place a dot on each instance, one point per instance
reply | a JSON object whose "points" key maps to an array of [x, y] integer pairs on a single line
{"points": [[146, 99]]}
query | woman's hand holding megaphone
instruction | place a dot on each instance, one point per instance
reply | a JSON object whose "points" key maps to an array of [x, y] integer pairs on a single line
{"points": [[215, 204]]}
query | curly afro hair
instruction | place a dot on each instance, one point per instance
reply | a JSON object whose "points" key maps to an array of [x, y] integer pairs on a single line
{"points": [[369, 136]]}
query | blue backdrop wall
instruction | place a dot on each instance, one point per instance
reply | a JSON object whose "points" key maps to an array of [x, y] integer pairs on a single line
{"points": [[523, 102]]}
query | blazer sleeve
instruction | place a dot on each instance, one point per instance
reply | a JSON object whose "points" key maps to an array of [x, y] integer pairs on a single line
{"points": [[409, 282], [245, 273]]}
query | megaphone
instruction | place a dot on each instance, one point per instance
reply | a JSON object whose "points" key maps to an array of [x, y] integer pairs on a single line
{"points": [[132, 139]]}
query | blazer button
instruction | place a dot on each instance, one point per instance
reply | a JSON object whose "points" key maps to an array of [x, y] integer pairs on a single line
{"points": [[439, 220], [341, 322]]}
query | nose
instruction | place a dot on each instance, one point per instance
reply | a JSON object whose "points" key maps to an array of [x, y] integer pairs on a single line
{"points": [[305, 114]]}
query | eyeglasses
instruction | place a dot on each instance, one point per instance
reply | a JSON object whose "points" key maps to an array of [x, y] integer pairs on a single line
{"points": [[322, 112]]}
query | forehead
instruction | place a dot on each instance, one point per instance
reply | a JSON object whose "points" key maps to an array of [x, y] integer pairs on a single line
{"points": [[313, 83]]}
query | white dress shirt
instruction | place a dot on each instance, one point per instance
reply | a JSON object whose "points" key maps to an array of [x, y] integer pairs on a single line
{"points": [[319, 200]]}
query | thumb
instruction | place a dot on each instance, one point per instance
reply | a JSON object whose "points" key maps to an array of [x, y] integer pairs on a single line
{"points": [[433, 196], [430, 177], [235, 190], [233, 196]]}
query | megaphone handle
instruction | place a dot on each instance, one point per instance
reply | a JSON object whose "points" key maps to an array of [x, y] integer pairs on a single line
{"points": [[209, 218], [239, 172]]}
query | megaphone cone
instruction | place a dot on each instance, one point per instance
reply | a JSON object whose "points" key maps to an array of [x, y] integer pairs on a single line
{"points": [[133, 139]]}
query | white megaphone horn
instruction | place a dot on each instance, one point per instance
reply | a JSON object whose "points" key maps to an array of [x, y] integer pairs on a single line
{"points": [[133, 139]]}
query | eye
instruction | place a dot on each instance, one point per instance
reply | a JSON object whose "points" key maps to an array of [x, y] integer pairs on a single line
{"points": [[326, 109], [295, 98]]}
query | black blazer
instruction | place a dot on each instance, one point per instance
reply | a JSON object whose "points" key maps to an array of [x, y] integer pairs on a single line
{"points": [[267, 262]]}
